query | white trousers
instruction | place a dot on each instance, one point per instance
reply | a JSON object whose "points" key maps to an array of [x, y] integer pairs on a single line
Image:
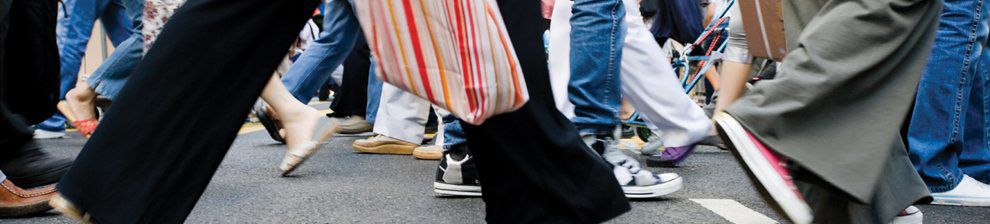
{"points": [[648, 80], [401, 115]]}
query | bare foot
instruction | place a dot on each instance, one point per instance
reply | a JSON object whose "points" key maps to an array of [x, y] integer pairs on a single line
{"points": [[298, 126]]}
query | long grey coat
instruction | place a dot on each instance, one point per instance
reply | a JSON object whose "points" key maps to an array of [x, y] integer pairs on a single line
{"points": [[840, 100]]}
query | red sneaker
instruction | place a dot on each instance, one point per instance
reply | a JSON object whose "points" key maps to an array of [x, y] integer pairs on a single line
{"points": [[766, 169]]}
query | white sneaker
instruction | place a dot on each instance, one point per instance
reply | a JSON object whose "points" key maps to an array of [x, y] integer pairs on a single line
{"points": [[970, 192], [637, 182], [42, 134], [910, 215]]}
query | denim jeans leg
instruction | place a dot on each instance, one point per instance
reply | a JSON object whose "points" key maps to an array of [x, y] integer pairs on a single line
{"points": [[936, 133], [594, 86], [75, 25], [975, 157], [374, 94], [111, 76], [117, 23], [67, 32], [453, 134], [312, 69]]}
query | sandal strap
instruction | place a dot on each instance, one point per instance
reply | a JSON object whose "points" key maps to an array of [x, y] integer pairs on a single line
{"points": [[86, 127]]}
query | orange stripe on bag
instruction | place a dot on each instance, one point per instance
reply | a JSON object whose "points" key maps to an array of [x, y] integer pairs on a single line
{"points": [[464, 62]]}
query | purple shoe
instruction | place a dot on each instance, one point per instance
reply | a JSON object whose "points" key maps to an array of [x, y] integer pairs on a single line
{"points": [[671, 156]]}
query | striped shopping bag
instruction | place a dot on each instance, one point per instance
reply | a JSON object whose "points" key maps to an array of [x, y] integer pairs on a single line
{"points": [[454, 53]]}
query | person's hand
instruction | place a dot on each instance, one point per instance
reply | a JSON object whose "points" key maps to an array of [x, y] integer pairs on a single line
{"points": [[547, 8]]}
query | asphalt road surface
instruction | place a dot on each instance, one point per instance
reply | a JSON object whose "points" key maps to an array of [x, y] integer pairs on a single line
{"points": [[339, 185]]}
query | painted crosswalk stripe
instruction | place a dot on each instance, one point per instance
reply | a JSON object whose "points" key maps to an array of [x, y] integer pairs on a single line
{"points": [[733, 211]]}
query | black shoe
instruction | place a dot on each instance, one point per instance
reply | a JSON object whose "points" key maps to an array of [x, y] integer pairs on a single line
{"points": [[266, 120], [29, 167], [457, 174]]}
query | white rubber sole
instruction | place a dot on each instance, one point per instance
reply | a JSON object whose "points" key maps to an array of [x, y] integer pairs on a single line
{"points": [[766, 176], [444, 189], [960, 201], [655, 190], [42, 135], [916, 218]]}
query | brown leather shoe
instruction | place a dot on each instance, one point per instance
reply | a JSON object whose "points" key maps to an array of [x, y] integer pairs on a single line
{"points": [[381, 144], [15, 201]]}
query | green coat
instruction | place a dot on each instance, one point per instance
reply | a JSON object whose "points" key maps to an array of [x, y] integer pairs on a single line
{"points": [[841, 97]]}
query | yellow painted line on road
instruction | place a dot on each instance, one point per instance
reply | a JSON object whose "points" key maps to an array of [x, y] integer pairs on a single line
{"points": [[250, 127], [255, 126], [316, 102]]}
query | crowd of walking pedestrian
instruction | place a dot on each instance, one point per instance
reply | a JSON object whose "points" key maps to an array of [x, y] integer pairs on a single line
{"points": [[877, 106]]}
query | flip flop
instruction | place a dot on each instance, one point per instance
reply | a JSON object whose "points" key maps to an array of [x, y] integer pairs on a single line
{"points": [[266, 120], [294, 157]]}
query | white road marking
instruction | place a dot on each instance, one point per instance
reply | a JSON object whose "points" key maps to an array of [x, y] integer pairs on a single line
{"points": [[733, 211]]}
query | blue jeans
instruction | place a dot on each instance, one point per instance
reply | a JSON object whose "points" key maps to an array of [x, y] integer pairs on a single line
{"points": [[948, 133], [597, 33], [374, 94], [453, 134], [312, 70], [75, 28], [75, 25], [112, 74]]}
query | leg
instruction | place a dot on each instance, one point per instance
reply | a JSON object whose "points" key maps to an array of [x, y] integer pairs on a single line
{"points": [[402, 115], [733, 80], [82, 101], [525, 157], [314, 66], [374, 95], [77, 28], [736, 66], [594, 87], [152, 178], [116, 22], [974, 160], [297, 119], [811, 106], [351, 99], [657, 94], [34, 59], [21, 159], [111, 76], [401, 123], [937, 133], [653, 89]]}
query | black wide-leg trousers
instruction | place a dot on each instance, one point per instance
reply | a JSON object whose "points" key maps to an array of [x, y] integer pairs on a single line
{"points": [[534, 167], [29, 68], [351, 99], [160, 144], [158, 147]]}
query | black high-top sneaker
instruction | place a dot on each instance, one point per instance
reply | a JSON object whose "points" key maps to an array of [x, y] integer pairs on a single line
{"points": [[457, 174]]}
